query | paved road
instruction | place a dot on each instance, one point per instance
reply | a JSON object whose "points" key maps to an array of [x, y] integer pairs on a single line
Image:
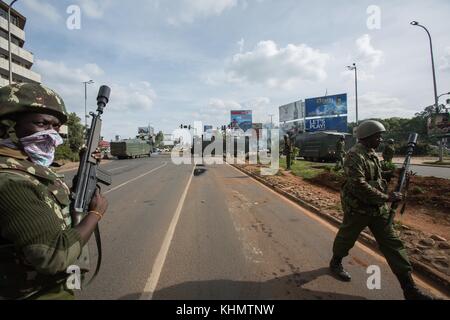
{"points": [[217, 234], [427, 171]]}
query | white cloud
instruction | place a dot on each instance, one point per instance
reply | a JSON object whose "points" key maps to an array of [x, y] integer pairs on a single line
{"points": [[189, 10], [445, 66], [218, 110], [134, 97], [94, 8], [278, 67], [43, 8], [379, 105], [67, 81], [64, 79], [367, 55]]}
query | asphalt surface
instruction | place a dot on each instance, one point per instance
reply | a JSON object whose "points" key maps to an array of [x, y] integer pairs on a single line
{"points": [[430, 171], [217, 234]]}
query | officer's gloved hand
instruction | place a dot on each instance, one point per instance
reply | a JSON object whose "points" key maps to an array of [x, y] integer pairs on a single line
{"points": [[396, 197]]}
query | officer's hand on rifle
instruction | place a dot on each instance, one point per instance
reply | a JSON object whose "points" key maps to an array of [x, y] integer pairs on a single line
{"points": [[97, 155], [396, 197], [98, 203]]}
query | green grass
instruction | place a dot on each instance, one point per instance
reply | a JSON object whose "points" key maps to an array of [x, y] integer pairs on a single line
{"points": [[302, 168]]}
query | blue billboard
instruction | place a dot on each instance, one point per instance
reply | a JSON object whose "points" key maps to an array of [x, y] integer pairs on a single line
{"points": [[326, 106], [241, 119], [338, 124]]}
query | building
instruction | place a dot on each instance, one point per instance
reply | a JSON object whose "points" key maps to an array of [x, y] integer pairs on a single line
{"points": [[22, 60]]}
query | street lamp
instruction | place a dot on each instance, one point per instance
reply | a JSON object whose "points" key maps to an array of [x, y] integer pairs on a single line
{"points": [[85, 101], [353, 67], [436, 98], [444, 94], [9, 40]]}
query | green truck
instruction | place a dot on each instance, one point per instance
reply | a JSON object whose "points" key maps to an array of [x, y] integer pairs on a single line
{"points": [[321, 146], [131, 149]]}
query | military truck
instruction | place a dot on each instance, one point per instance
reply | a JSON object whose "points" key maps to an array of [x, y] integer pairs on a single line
{"points": [[321, 146], [130, 149]]}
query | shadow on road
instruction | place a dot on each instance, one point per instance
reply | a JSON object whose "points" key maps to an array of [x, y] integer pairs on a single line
{"points": [[289, 287]]}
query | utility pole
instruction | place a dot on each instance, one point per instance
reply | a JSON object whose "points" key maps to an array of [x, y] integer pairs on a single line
{"points": [[353, 67], [436, 98]]}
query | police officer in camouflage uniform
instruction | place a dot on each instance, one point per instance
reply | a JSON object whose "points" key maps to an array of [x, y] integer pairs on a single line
{"points": [[364, 200], [37, 240], [340, 152], [288, 150], [388, 151]]}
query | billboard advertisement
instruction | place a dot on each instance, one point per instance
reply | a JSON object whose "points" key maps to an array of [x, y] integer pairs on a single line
{"points": [[241, 119], [207, 128], [146, 130], [338, 124], [294, 127], [439, 125], [292, 111], [326, 106]]}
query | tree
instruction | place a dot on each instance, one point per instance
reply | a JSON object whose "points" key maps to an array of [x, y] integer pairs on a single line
{"points": [[76, 132], [159, 139], [71, 147]]}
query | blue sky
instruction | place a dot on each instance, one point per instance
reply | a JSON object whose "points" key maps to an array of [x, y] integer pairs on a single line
{"points": [[179, 61]]}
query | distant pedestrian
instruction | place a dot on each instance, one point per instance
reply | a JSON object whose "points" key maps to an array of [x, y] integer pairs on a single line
{"points": [[288, 151], [389, 151], [340, 153]]}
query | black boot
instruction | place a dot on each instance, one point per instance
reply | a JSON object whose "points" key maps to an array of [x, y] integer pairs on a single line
{"points": [[410, 290], [338, 270]]}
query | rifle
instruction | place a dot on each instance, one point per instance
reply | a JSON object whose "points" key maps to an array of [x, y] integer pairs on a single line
{"points": [[403, 180], [89, 173]]}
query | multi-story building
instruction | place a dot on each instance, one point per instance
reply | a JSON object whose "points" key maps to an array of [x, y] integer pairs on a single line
{"points": [[22, 60]]}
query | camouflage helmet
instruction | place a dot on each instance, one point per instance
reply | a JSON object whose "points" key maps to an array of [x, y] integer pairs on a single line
{"points": [[369, 128], [31, 97]]}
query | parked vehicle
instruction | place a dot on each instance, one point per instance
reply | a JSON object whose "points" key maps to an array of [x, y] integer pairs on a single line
{"points": [[321, 146], [130, 149]]}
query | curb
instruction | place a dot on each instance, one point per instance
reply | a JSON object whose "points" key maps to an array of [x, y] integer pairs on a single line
{"points": [[438, 279]]}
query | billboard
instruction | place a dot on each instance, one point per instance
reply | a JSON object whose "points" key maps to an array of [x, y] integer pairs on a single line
{"points": [[291, 111], [207, 128], [241, 119], [294, 127], [338, 124], [326, 106], [439, 125], [146, 130]]}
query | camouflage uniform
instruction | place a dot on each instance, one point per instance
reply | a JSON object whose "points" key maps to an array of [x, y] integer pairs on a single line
{"points": [[37, 241], [340, 153], [288, 151], [364, 197], [388, 153]]}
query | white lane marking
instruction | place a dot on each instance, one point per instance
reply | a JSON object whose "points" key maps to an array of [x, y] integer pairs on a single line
{"points": [[134, 179], [152, 281], [117, 168], [420, 280]]}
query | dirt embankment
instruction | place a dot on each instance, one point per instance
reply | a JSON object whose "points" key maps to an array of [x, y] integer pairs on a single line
{"points": [[428, 201]]}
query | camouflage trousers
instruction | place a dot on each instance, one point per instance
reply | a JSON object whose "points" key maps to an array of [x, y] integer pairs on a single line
{"points": [[389, 243]]}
